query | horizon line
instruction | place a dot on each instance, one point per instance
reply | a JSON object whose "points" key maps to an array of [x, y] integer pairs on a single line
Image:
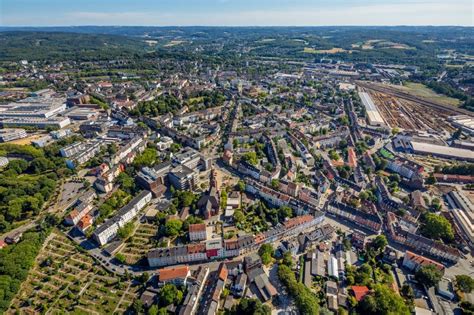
{"points": [[246, 26]]}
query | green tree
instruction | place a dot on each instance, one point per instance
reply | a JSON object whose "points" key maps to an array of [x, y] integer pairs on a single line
{"points": [[465, 283], [241, 185], [169, 294], [437, 227], [379, 243], [251, 306], [125, 231], [429, 275], [266, 252], [287, 259], [383, 301], [153, 310], [173, 227]]}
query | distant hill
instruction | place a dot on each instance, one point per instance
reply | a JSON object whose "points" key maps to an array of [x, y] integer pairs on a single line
{"points": [[18, 45]]}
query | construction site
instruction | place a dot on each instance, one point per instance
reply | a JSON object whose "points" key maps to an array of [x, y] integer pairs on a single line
{"points": [[404, 111]]}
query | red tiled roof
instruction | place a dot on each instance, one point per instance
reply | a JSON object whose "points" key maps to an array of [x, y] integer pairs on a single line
{"points": [[167, 274], [223, 272], [360, 292], [423, 261], [85, 222], [199, 227]]}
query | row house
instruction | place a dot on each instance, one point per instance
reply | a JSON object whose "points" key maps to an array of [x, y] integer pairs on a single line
{"points": [[384, 198], [418, 243], [218, 248], [363, 219], [107, 231]]}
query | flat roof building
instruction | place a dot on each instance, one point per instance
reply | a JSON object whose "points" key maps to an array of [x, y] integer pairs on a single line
{"points": [[373, 115]]}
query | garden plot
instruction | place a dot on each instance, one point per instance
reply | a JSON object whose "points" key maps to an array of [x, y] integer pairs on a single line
{"points": [[66, 280], [140, 243]]}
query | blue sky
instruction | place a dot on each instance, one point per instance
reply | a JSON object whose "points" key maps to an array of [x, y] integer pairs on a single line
{"points": [[236, 12]]}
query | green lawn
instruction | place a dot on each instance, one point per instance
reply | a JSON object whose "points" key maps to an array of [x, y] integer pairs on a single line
{"points": [[421, 90]]}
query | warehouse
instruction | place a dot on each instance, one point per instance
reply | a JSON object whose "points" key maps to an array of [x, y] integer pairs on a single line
{"points": [[442, 151], [374, 117]]}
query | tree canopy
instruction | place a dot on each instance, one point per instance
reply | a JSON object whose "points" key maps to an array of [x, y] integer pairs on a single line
{"points": [[428, 275], [383, 301], [437, 227]]}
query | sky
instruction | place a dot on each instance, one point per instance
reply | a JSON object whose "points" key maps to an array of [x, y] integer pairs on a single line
{"points": [[236, 12]]}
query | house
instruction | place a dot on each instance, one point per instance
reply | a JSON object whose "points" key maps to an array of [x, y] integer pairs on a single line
{"points": [[239, 286], [177, 275], [148, 298], [251, 262], [445, 289], [13, 238], [333, 269], [358, 240], [191, 301], [360, 292], [197, 232], [413, 262], [3, 244], [260, 284]]}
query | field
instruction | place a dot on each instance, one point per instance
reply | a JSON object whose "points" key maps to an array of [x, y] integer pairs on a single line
{"points": [[140, 243], [323, 51], [65, 280], [421, 90], [174, 43], [380, 44]]}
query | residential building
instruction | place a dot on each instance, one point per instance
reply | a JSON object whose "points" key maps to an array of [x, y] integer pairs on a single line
{"points": [[197, 232], [176, 275], [108, 230]]}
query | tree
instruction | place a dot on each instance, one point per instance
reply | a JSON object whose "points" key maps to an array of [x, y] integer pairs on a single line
{"points": [[465, 283], [173, 227], [241, 185], [287, 259], [437, 227], [383, 301], [153, 310], [147, 158], [251, 306], [126, 182], [169, 294], [121, 258], [125, 231], [275, 183], [266, 252], [285, 212], [251, 158], [429, 275], [407, 292], [137, 306], [379, 243], [431, 180], [239, 216], [305, 300]]}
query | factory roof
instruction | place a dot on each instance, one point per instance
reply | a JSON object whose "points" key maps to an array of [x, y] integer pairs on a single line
{"points": [[442, 151]]}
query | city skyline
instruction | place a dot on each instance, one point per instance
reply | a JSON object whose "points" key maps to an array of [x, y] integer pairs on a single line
{"points": [[235, 13]]}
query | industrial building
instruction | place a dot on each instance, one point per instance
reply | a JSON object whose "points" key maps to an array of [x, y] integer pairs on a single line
{"points": [[374, 117], [12, 134], [465, 122], [463, 212], [41, 123], [442, 151]]}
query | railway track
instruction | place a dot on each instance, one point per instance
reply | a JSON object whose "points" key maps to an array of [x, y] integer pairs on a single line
{"points": [[408, 97]]}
